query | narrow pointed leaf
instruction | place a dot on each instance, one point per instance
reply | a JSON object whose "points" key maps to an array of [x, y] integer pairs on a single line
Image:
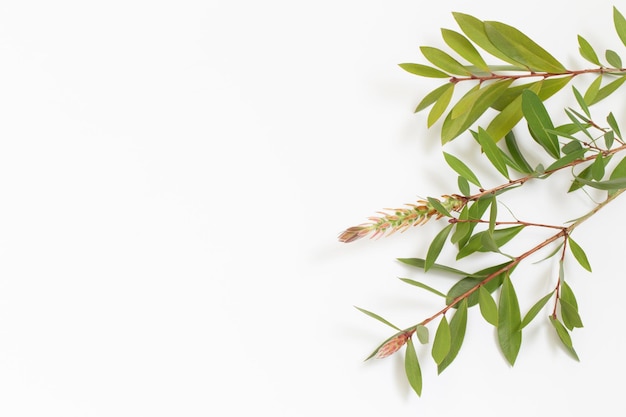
{"points": [[613, 123], [467, 283], [567, 159], [587, 52], [419, 263], [520, 48], [423, 70], [458, 325], [464, 48], [460, 168], [439, 207], [442, 342], [509, 321], [597, 167], [475, 30], [412, 368], [534, 310], [435, 247], [608, 89], [569, 313], [488, 307], [440, 105], [592, 90], [538, 121], [579, 254], [500, 236], [464, 186], [377, 317], [581, 101], [442, 60], [516, 154], [492, 152], [620, 25], [609, 185], [433, 96], [564, 336], [422, 286]]}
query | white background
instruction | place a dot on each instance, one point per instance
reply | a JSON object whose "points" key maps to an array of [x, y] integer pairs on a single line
{"points": [[173, 178]]}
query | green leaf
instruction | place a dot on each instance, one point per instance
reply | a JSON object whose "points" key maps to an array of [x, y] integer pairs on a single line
{"points": [[458, 324], [597, 167], [609, 185], [520, 48], [475, 30], [377, 317], [587, 52], [500, 236], [609, 138], [581, 101], [442, 342], [608, 89], [412, 368], [419, 263], [613, 123], [460, 168], [592, 90], [572, 146], [423, 70], [579, 254], [568, 295], [620, 25], [436, 204], [433, 96], [492, 152], [534, 310], [463, 228], [570, 316], [613, 58], [480, 101], [564, 336], [440, 105], [422, 334], [538, 122], [509, 321], [470, 282], [423, 286], [435, 247], [516, 154], [576, 184], [464, 186], [488, 307], [567, 159], [442, 60], [464, 48]]}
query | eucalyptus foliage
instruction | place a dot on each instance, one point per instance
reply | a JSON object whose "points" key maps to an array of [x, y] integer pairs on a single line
{"points": [[504, 105]]}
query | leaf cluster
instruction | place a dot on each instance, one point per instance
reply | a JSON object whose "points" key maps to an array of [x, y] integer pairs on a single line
{"points": [[515, 89]]}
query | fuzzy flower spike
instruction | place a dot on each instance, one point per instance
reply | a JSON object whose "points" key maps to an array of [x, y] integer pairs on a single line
{"points": [[401, 219]]}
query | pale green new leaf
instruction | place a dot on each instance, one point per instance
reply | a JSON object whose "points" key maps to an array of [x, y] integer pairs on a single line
{"points": [[464, 48], [412, 368], [613, 58], [436, 245], [481, 101], [433, 96], [520, 48], [442, 60], [488, 307], [592, 91], [442, 342], [458, 325], [440, 105], [620, 25], [608, 89], [422, 334], [579, 254], [587, 52], [475, 30], [423, 70], [509, 321]]}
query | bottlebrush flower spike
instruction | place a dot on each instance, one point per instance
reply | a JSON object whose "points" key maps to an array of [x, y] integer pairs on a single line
{"points": [[401, 219]]}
